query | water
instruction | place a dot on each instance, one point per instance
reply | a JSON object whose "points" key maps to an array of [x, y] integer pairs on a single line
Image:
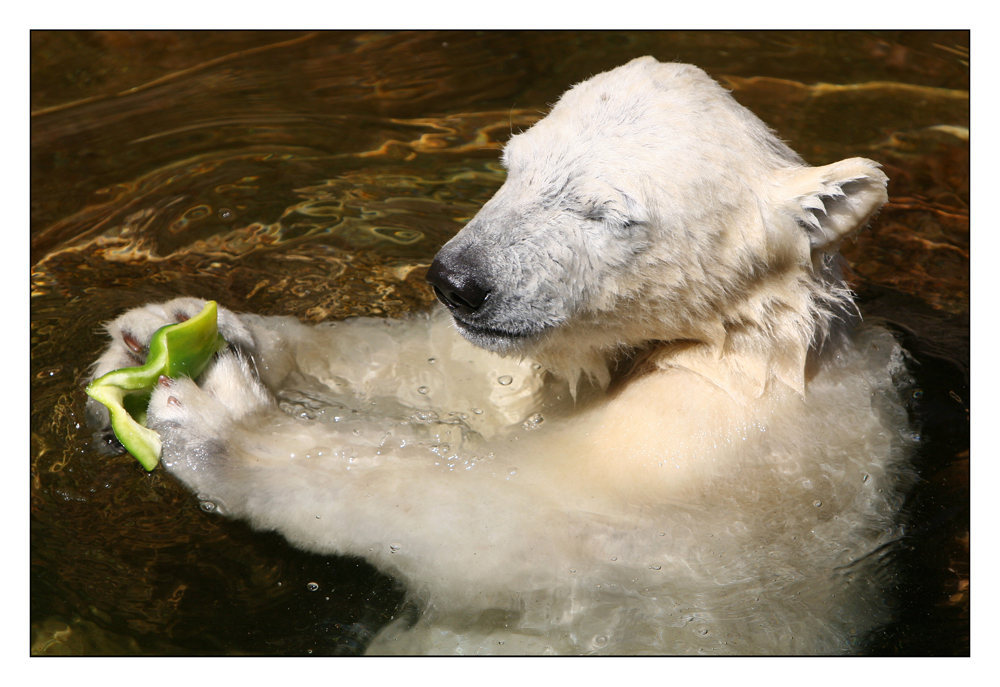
{"points": [[316, 175]]}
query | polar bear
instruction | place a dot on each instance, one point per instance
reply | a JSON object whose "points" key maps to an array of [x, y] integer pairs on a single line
{"points": [[645, 420]]}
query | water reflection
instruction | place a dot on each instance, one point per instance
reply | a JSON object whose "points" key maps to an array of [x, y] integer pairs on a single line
{"points": [[316, 174]]}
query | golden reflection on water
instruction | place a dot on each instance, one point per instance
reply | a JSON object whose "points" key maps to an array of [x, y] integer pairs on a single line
{"points": [[315, 175]]}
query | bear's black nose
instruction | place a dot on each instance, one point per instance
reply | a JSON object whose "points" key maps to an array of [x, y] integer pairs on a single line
{"points": [[456, 286]]}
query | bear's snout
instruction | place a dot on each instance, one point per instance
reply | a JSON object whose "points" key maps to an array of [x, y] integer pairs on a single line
{"points": [[457, 285]]}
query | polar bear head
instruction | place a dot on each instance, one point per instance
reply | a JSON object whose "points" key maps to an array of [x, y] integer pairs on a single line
{"points": [[649, 207]]}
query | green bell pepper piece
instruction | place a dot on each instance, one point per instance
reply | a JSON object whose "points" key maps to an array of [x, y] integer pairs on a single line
{"points": [[182, 349]]}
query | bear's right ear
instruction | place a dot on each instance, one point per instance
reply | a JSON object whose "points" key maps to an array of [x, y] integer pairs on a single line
{"points": [[833, 201]]}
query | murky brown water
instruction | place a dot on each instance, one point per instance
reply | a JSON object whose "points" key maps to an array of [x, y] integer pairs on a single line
{"points": [[316, 175]]}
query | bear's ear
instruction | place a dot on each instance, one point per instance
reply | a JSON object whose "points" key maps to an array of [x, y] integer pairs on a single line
{"points": [[833, 201]]}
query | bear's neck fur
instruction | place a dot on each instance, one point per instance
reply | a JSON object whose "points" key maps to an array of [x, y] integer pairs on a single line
{"points": [[765, 338]]}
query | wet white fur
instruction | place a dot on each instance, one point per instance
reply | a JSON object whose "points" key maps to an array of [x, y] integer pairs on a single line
{"points": [[731, 492]]}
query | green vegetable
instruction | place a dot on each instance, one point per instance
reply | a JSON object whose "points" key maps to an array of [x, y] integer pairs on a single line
{"points": [[183, 349]]}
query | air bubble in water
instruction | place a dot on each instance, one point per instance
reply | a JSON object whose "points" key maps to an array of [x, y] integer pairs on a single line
{"points": [[423, 390], [506, 380], [313, 587], [533, 422]]}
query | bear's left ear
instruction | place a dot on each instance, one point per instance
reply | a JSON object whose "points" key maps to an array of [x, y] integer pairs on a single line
{"points": [[831, 202]]}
